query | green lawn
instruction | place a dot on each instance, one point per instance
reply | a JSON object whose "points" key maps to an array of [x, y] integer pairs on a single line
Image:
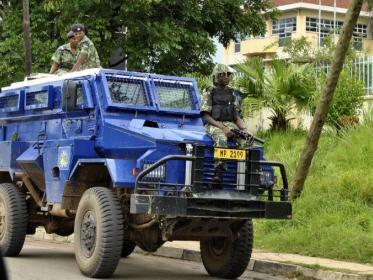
{"points": [[334, 216]]}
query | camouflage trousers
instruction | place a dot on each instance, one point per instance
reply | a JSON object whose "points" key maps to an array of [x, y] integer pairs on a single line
{"points": [[220, 140]]}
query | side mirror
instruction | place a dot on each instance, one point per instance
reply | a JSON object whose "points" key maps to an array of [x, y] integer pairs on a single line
{"points": [[69, 95]]}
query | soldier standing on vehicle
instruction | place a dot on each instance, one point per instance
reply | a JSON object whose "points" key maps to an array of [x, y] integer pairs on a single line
{"points": [[65, 56], [87, 53], [221, 112]]}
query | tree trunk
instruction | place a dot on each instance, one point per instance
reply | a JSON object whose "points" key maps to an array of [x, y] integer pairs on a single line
{"points": [[326, 98], [26, 37]]}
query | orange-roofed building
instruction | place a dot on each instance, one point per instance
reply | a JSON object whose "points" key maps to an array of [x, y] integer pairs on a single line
{"points": [[312, 19]]}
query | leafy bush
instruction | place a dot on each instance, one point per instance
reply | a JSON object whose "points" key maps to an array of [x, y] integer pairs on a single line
{"points": [[347, 99]]}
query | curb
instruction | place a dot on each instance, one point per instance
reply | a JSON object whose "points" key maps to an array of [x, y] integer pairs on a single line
{"points": [[293, 271]]}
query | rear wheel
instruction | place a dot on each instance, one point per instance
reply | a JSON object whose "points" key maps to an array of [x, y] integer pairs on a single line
{"points": [[228, 258], [98, 233], [13, 219]]}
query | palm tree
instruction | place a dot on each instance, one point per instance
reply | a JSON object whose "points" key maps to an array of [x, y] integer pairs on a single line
{"points": [[203, 81], [282, 88]]}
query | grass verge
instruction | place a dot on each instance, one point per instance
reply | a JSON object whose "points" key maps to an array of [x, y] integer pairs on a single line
{"points": [[334, 216]]}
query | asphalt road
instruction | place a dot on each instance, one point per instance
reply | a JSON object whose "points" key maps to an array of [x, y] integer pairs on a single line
{"points": [[40, 260]]}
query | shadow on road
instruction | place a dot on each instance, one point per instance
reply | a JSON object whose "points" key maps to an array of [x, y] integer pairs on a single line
{"points": [[47, 254]]}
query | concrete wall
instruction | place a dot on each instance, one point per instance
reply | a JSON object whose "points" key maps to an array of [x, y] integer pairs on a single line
{"points": [[260, 122]]}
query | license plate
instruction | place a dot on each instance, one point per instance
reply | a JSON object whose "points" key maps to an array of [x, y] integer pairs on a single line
{"points": [[222, 153]]}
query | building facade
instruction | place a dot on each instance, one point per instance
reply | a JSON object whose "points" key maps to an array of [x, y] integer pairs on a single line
{"points": [[313, 19]]}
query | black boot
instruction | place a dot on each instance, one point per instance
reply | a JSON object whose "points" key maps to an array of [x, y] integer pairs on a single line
{"points": [[217, 180]]}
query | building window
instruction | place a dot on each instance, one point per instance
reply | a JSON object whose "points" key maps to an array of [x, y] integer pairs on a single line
{"points": [[283, 28], [327, 27], [237, 47]]}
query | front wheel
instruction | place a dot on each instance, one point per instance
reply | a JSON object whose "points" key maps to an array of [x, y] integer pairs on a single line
{"points": [[128, 248], [98, 233], [13, 219], [228, 258]]}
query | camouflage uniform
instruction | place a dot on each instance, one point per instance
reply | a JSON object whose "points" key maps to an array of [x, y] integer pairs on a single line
{"points": [[65, 59], [92, 60], [217, 135]]}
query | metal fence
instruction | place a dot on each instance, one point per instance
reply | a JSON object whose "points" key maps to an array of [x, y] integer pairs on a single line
{"points": [[364, 71], [362, 67]]}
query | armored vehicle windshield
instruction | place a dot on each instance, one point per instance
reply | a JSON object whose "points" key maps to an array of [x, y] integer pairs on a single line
{"points": [[146, 92]]}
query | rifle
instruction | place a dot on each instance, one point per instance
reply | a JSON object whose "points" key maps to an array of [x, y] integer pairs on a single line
{"points": [[250, 139]]}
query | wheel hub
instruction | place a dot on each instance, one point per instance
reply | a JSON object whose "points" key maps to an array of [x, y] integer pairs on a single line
{"points": [[218, 245], [88, 234], [2, 218]]}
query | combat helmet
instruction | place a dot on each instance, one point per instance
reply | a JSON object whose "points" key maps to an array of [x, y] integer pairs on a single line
{"points": [[222, 68]]}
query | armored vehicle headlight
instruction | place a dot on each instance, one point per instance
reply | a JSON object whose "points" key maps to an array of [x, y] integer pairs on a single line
{"points": [[267, 178], [158, 173]]}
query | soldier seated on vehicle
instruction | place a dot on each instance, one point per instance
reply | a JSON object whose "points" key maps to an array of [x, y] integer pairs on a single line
{"points": [[65, 56], [87, 53], [221, 112]]}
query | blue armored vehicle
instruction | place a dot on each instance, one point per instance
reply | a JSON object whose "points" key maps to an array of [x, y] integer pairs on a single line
{"points": [[122, 159]]}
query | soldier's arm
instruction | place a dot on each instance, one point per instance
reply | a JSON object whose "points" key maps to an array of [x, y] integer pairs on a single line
{"points": [[210, 120], [54, 68], [240, 123], [237, 112], [84, 49], [82, 58], [56, 59]]}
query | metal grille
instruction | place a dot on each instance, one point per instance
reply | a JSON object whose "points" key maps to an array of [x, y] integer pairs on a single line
{"points": [[362, 69], [230, 175], [256, 178], [37, 98], [130, 91], [9, 101], [174, 95]]}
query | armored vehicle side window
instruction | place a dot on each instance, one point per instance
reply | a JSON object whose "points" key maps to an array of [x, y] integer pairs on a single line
{"points": [[75, 95], [37, 98], [8, 102], [127, 91], [174, 96]]}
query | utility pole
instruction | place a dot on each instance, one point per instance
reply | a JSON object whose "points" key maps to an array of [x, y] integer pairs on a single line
{"points": [[319, 26], [334, 20], [126, 53], [326, 98], [27, 37]]}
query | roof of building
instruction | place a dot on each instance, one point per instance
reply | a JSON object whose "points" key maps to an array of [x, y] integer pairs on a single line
{"points": [[328, 3]]}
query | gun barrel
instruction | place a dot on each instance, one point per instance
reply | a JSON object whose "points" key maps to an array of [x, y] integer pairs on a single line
{"points": [[241, 134]]}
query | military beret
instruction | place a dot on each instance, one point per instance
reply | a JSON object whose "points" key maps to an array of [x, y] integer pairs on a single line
{"points": [[70, 34], [78, 27]]}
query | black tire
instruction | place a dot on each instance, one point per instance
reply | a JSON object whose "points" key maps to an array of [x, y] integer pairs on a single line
{"points": [[13, 219], [128, 247], [228, 258], [98, 233]]}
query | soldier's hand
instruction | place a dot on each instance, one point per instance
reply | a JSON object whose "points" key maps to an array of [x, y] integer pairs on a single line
{"points": [[247, 132], [228, 133]]}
